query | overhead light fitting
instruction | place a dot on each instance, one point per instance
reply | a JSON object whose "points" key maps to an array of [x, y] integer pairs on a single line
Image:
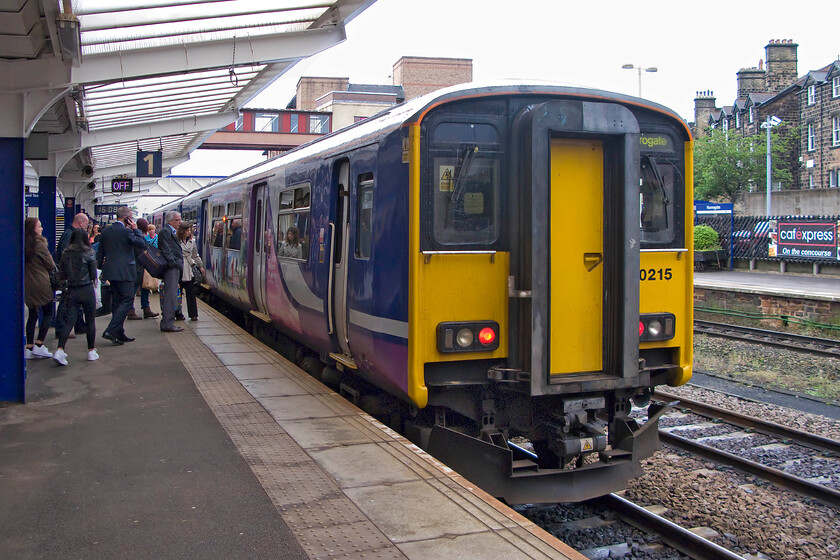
{"points": [[69, 38]]}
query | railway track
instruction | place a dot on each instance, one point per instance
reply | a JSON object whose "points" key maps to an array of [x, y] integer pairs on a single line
{"points": [[613, 527], [801, 343], [767, 450]]}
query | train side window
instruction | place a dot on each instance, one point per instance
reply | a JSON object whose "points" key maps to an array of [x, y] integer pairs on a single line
{"points": [[218, 238], [234, 220], [365, 215], [293, 222]]}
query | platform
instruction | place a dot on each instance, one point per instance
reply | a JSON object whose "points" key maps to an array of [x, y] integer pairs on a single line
{"points": [[208, 444], [822, 288]]}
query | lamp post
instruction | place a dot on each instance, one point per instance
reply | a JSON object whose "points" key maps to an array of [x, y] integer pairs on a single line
{"points": [[768, 124], [640, 68]]}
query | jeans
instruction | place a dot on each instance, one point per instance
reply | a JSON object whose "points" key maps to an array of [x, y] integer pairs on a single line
{"points": [[46, 320], [76, 298]]}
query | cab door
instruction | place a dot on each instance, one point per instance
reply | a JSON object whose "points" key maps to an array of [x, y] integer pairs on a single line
{"points": [[340, 232]]}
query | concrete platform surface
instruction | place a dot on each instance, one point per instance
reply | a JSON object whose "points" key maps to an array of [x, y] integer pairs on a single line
{"points": [[798, 286], [208, 444]]}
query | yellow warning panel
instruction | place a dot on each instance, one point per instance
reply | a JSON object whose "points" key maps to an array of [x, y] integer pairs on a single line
{"points": [[445, 177], [577, 248]]}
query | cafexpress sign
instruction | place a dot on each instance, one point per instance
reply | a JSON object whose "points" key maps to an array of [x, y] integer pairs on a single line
{"points": [[814, 240]]}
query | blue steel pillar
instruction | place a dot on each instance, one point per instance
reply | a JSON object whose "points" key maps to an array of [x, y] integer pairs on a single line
{"points": [[46, 209], [12, 372]]}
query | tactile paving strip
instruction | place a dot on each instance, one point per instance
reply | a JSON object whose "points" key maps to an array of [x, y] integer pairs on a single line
{"points": [[325, 522]]}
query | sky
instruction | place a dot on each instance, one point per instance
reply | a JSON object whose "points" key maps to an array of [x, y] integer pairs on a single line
{"points": [[695, 47]]}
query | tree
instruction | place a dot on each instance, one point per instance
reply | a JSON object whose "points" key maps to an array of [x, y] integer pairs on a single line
{"points": [[728, 164]]}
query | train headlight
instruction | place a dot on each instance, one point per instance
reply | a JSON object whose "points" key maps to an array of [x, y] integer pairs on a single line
{"points": [[465, 338], [468, 336], [656, 326]]}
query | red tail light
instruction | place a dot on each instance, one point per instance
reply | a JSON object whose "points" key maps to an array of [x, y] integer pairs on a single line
{"points": [[486, 336]]}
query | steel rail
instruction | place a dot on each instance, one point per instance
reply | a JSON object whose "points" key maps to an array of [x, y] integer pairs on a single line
{"points": [[763, 426], [680, 538], [822, 346], [824, 494]]}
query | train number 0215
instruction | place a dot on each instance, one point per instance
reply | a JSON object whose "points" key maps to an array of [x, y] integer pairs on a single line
{"points": [[653, 274]]}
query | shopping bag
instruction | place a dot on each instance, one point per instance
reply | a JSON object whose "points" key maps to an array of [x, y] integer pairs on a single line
{"points": [[149, 283]]}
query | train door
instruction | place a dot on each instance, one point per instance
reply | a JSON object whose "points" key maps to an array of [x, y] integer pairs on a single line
{"points": [[340, 262], [258, 250], [576, 254], [203, 231], [576, 312]]}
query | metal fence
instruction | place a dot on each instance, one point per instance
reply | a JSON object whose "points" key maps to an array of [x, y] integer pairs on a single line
{"points": [[749, 237]]}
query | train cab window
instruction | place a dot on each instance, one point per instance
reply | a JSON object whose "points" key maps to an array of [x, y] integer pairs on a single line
{"points": [[234, 221], [656, 196], [293, 222], [466, 167], [365, 215], [218, 237]]}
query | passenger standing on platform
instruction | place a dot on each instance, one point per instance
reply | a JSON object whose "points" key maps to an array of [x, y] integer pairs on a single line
{"points": [[142, 225], [171, 250], [81, 222], [116, 255], [38, 293], [78, 268], [151, 236], [151, 240], [191, 258]]}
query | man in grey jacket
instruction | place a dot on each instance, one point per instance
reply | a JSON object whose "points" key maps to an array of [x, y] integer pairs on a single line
{"points": [[171, 250]]}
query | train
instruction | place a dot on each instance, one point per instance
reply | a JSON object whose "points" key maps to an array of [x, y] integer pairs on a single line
{"points": [[508, 265]]}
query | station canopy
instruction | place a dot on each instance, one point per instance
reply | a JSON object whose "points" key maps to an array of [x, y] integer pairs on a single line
{"points": [[120, 76]]}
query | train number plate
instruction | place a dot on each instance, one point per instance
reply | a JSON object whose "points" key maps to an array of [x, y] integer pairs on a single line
{"points": [[655, 274]]}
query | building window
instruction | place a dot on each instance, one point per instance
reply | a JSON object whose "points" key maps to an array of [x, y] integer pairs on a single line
{"points": [[319, 124], [293, 123], [835, 86], [752, 115], [811, 138], [240, 121], [725, 124], [357, 118], [835, 131], [834, 178], [737, 120], [812, 94], [265, 122]]}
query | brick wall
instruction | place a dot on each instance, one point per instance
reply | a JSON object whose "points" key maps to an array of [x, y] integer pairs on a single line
{"points": [[781, 64], [309, 89], [419, 76]]}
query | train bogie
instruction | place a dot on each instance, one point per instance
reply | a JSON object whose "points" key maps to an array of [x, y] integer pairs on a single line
{"points": [[510, 263]]}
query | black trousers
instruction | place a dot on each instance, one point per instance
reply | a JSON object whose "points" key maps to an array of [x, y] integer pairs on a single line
{"points": [[79, 297], [188, 291]]}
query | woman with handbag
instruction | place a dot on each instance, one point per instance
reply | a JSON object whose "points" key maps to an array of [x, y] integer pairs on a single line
{"points": [[38, 292], [192, 268], [78, 268]]}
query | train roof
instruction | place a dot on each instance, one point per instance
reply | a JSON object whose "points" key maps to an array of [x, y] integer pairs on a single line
{"points": [[414, 110]]}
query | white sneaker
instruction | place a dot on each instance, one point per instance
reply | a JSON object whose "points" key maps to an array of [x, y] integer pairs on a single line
{"points": [[41, 352], [28, 354], [60, 357], [92, 355]]}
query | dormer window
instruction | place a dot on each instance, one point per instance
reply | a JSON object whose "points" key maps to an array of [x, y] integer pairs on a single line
{"points": [[835, 86], [752, 116], [812, 94], [737, 120]]}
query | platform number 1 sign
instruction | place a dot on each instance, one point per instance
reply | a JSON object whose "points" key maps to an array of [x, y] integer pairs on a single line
{"points": [[149, 164]]}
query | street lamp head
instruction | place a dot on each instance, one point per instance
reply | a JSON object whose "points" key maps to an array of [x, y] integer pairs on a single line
{"points": [[627, 66], [651, 69]]}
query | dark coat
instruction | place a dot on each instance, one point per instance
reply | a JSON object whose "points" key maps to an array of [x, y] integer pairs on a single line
{"points": [[78, 267], [170, 247], [116, 252], [36, 280]]}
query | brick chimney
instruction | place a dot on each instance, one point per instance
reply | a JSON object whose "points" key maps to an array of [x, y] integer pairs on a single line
{"points": [[704, 106], [420, 75], [781, 64], [309, 89], [750, 80]]}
